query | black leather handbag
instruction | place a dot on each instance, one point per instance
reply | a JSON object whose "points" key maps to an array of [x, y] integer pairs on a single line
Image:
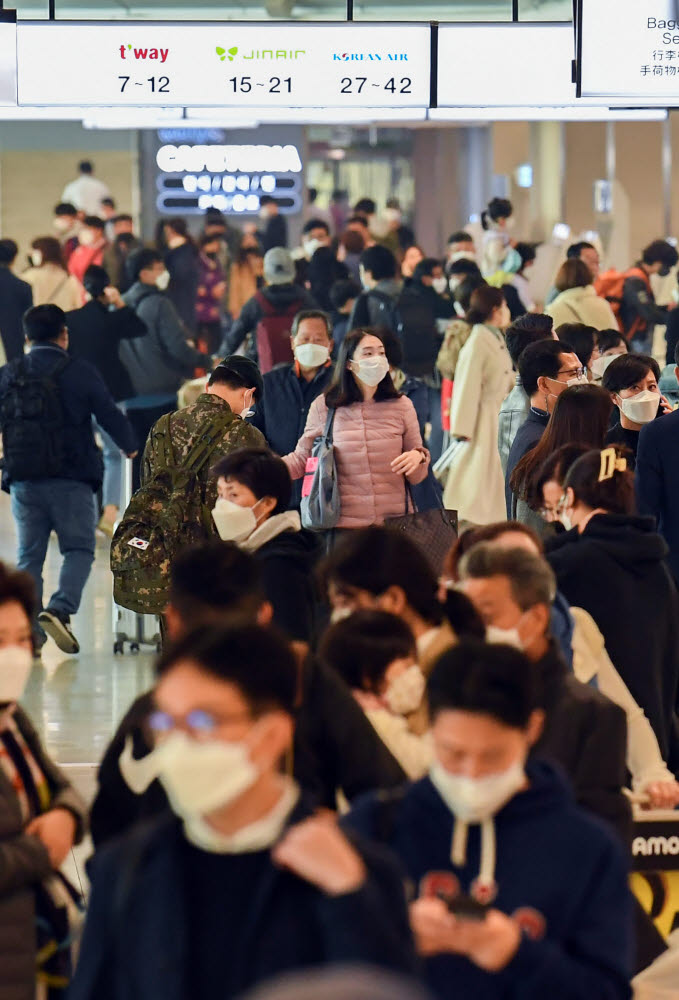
{"points": [[433, 531]]}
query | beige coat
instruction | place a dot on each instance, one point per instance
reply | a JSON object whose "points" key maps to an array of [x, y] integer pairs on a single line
{"points": [[582, 305], [483, 377], [53, 286]]}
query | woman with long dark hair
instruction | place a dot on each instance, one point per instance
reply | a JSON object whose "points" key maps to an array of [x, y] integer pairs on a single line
{"points": [[581, 416], [375, 433], [613, 564], [483, 377]]}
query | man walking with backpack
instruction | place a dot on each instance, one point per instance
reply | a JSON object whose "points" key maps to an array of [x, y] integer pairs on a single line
{"points": [[266, 319], [173, 508], [52, 467], [376, 305]]}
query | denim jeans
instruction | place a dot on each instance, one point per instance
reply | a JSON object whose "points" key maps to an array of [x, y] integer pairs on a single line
{"points": [[111, 491], [67, 507]]}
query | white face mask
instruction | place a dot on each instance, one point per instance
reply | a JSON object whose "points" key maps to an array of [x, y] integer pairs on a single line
{"points": [[163, 280], [404, 694], [504, 636], [642, 408], [310, 247], [86, 238], [62, 224], [599, 365], [462, 255], [439, 284], [474, 800], [312, 355], [340, 615], [15, 666], [36, 258], [197, 777], [247, 410], [371, 371], [392, 215], [566, 521], [233, 523], [578, 380]]}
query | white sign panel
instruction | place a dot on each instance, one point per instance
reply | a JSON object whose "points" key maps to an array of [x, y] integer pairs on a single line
{"points": [[224, 65], [474, 63], [8, 61], [629, 49]]}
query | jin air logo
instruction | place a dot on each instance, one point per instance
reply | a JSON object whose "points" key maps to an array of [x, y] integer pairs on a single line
{"points": [[229, 54], [259, 55]]}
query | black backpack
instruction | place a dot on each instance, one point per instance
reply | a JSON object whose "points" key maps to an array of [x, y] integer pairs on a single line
{"points": [[417, 332], [32, 422]]}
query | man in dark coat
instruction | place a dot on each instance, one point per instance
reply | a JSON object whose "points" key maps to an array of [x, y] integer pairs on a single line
{"points": [[60, 497], [335, 747], [244, 882], [97, 328], [657, 477], [289, 390], [584, 732], [546, 368], [274, 232], [16, 296]]}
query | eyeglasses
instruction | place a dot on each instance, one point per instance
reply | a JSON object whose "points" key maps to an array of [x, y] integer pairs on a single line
{"points": [[198, 724], [573, 372], [552, 514]]}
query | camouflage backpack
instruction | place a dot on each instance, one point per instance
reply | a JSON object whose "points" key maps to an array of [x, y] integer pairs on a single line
{"points": [[165, 515]]}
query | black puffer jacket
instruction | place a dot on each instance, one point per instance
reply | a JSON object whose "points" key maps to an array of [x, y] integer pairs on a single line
{"points": [[24, 862], [616, 571]]}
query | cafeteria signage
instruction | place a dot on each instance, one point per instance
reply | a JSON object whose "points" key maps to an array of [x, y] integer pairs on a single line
{"points": [[226, 65]]}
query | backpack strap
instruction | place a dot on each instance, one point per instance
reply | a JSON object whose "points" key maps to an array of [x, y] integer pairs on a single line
{"points": [[202, 448]]}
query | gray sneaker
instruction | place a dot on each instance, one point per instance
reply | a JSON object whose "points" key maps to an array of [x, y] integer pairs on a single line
{"points": [[58, 626]]}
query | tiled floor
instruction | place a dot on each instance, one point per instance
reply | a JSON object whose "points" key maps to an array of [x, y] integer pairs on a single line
{"points": [[76, 702]]}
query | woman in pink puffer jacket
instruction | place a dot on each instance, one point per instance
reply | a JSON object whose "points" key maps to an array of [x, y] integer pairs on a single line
{"points": [[375, 433]]}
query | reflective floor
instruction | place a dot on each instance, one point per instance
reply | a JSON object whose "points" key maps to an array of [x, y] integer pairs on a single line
{"points": [[76, 702]]}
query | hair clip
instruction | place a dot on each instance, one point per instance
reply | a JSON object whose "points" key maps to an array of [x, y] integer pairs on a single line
{"points": [[610, 464]]}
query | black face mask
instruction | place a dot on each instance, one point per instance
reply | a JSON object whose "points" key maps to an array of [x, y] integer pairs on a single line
{"points": [[212, 256], [663, 272]]}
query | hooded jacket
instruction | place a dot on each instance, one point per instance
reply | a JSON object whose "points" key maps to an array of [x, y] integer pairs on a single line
{"points": [[616, 571], [161, 360], [281, 298], [557, 870]]}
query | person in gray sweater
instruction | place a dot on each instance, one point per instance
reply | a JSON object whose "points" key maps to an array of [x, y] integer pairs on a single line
{"points": [[160, 361]]}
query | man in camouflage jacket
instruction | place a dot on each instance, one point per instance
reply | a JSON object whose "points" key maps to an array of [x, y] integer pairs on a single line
{"points": [[234, 386]]}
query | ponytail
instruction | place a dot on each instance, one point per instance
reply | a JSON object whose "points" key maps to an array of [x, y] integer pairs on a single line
{"points": [[603, 478]]}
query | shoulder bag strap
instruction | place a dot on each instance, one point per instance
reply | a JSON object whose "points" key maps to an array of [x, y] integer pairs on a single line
{"points": [[327, 433], [56, 290], [165, 450]]}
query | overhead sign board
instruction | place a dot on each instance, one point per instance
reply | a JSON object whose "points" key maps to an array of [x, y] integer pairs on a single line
{"points": [[8, 58], [629, 50], [224, 65], [470, 57]]}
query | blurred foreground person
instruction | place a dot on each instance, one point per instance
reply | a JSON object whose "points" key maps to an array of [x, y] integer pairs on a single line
{"points": [[41, 816], [242, 881], [519, 893], [335, 747], [342, 982]]}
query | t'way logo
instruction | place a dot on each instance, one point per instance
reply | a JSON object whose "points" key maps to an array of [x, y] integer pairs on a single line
{"points": [[127, 51]]}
